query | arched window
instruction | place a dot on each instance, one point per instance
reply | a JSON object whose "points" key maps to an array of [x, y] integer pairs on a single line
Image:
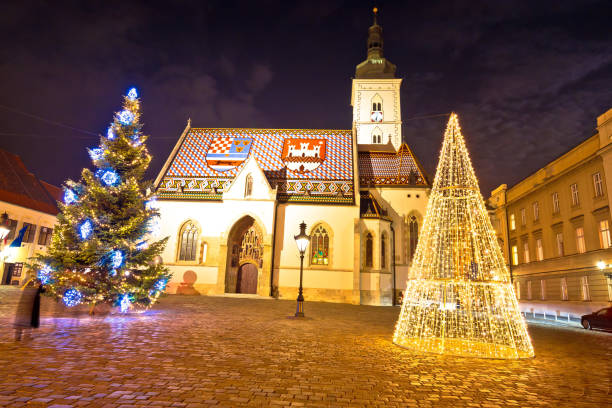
{"points": [[369, 250], [376, 103], [377, 135], [319, 246], [248, 186], [189, 239], [413, 236], [383, 251]]}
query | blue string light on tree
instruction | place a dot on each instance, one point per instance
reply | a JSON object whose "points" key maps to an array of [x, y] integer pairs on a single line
{"points": [[95, 153], [108, 176], [86, 229], [160, 285], [110, 133], [151, 203], [72, 297], [125, 117], [132, 94], [116, 258], [124, 303], [44, 274], [70, 196]]}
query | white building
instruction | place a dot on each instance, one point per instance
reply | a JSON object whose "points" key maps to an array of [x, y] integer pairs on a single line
{"points": [[28, 202], [231, 201]]}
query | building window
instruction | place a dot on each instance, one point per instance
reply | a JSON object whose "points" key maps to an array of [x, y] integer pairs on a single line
{"points": [[539, 249], [584, 288], [44, 237], [377, 135], [542, 289], [598, 184], [515, 260], [369, 250], [413, 239], [574, 190], [526, 252], [376, 103], [517, 286], [189, 238], [529, 290], [29, 233], [609, 279], [604, 234], [580, 245], [383, 251], [536, 211], [559, 238], [319, 246], [512, 223], [555, 200], [12, 226], [564, 295], [248, 186], [203, 252], [523, 217]]}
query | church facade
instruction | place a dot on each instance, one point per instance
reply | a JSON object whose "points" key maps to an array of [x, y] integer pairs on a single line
{"points": [[231, 201]]}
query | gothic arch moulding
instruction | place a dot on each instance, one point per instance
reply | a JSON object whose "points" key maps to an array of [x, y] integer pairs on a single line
{"points": [[187, 241]]}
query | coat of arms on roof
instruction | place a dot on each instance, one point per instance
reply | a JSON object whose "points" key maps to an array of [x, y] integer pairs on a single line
{"points": [[303, 155], [225, 153]]}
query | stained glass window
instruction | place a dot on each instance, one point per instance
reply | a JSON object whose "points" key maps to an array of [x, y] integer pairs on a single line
{"points": [[319, 246], [369, 249], [414, 236]]}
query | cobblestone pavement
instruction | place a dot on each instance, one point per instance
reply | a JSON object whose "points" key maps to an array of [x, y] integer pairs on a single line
{"points": [[221, 351]]}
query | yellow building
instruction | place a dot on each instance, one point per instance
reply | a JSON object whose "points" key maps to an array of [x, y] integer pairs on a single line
{"points": [[554, 228], [27, 202]]}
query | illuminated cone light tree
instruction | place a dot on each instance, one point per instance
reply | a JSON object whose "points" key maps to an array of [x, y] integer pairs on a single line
{"points": [[459, 299]]}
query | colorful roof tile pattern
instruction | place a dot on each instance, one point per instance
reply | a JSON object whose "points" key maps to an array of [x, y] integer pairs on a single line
{"points": [[193, 172], [390, 168]]}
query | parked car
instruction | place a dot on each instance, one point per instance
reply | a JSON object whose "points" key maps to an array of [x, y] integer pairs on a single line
{"points": [[601, 319]]}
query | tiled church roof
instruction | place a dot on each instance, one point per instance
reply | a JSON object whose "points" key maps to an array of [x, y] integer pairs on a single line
{"points": [[193, 175], [390, 168]]}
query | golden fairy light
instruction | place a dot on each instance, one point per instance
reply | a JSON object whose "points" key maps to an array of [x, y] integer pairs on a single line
{"points": [[459, 299]]}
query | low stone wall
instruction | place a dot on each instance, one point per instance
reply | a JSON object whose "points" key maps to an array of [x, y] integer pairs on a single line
{"points": [[561, 308]]}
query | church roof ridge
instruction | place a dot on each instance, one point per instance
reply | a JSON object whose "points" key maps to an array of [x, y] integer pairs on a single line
{"points": [[271, 129]]}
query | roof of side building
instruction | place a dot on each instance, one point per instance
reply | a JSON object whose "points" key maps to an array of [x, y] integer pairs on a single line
{"points": [[20, 187]]}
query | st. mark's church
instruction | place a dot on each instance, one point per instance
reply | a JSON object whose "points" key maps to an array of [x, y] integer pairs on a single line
{"points": [[232, 200]]}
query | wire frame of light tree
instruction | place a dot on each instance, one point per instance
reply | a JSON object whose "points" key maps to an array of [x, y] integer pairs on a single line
{"points": [[459, 299]]}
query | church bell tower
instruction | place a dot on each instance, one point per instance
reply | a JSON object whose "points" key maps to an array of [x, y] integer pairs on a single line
{"points": [[375, 96]]}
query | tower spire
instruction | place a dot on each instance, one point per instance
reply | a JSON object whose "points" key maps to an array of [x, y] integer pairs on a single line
{"points": [[375, 65], [375, 38]]}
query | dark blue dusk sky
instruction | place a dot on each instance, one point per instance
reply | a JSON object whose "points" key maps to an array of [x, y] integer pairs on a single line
{"points": [[527, 78]]}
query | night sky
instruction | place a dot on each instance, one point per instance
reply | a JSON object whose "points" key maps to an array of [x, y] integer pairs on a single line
{"points": [[528, 79]]}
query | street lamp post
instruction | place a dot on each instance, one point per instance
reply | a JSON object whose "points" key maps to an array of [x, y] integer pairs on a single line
{"points": [[302, 242]]}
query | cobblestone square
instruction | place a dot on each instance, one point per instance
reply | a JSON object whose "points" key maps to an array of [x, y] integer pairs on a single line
{"points": [[230, 351]]}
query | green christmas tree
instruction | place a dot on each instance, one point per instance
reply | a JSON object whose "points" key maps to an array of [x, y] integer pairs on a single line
{"points": [[104, 248]]}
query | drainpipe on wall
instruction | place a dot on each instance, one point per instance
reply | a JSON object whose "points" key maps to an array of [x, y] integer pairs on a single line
{"points": [[273, 249], [393, 301], [508, 236]]}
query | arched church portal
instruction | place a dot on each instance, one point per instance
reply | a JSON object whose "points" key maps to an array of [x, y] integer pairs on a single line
{"points": [[245, 257]]}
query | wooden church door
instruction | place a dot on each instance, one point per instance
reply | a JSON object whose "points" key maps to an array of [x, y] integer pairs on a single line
{"points": [[247, 279]]}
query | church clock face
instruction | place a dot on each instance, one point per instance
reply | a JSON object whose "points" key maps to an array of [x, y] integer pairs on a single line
{"points": [[376, 116]]}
